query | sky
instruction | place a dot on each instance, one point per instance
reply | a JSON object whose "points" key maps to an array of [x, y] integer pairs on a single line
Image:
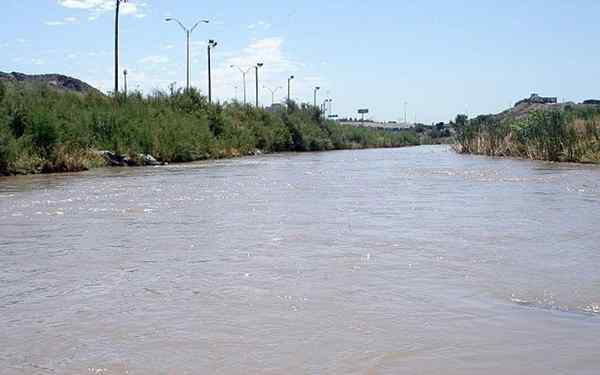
{"points": [[436, 58]]}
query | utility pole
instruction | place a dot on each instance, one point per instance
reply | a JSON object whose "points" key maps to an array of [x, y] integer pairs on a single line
{"points": [[211, 44], [256, 67], [188, 32], [315, 95]]}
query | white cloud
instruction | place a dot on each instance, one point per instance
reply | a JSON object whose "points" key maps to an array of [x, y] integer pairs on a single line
{"points": [[65, 21], [154, 60], [260, 25], [38, 61], [101, 6]]}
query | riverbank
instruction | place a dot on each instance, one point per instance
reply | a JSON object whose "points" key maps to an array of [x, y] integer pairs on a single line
{"points": [[561, 133], [45, 131]]}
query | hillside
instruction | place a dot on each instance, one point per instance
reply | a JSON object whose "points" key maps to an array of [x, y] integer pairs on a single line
{"points": [[523, 108], [535, 128], [58, 82]]}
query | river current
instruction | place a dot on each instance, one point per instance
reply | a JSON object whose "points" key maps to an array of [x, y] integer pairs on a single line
{"points": [[396, 261]]}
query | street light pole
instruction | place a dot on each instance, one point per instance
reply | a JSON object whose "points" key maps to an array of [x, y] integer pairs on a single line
{"points": [[211, 44], [188, 32], [273, 91], [244, 73], [315, 94], [117, 9], [125, 81], [289, 98], [256, 67]]}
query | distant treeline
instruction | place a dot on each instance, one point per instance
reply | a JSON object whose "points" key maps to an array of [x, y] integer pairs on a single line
{"points": [[42, 130], [569, 134]]}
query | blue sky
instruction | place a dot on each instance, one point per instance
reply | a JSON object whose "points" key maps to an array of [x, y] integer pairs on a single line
{"points": [[441, 57]]}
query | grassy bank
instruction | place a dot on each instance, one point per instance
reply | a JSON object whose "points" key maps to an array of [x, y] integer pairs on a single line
{"points": [[570, 133], [42, 130]]}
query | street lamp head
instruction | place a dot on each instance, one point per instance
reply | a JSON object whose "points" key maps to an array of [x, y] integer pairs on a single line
{"points": [[168, 19], [260, 65], [292, 77], [318, 88], [212, 43]]}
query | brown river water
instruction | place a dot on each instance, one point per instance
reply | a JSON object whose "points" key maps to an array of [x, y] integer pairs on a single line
{"points": [[399, 261]]}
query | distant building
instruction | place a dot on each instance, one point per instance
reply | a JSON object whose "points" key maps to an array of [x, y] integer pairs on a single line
{"points": [[592, 102], [536, 99]]}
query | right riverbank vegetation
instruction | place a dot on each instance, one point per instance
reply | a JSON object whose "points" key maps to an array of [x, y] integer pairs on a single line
{"points": [[44, 130], [566, 132]]}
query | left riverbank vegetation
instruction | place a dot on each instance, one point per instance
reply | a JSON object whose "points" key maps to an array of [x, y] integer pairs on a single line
{"points": [[42, 130], [560, 133]]}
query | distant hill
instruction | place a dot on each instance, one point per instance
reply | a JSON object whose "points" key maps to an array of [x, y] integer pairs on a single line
{"points": [[524, 107], [56, 81]]}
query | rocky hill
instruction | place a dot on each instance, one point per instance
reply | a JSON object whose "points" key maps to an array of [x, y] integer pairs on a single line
{"points": [[55, 81], [536, 103]]}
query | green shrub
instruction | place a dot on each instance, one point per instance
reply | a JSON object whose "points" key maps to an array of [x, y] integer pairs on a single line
{"points": [[44, 130]]}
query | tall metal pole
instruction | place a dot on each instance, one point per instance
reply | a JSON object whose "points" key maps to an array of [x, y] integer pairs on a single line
{"points": [[118, 6], [188, 32], [259, 65], [244, 79], [244, 73], [211, 45], [315, 94], [289, 97], [125, 81], [187, 76], [209, 78], [273, 91]]}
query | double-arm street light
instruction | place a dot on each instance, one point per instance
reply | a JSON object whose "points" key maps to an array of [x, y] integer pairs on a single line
{"points": [[289, 98], [256, 67], [273, 92], [315, 93], [188, 32], [244, 73], [211, 44], [117, 9]]}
